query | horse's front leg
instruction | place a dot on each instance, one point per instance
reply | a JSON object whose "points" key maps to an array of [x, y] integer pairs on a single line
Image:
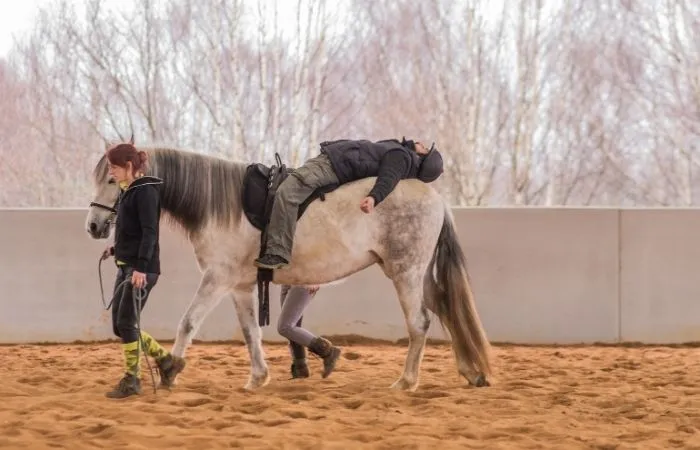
{"points": [[209, 294], [252, 334]]}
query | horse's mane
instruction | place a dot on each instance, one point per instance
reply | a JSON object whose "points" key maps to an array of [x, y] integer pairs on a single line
{"points": [[197, 188]]}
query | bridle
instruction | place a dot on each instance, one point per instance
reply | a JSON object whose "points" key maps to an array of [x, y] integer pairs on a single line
{"points": [[111, 209]]}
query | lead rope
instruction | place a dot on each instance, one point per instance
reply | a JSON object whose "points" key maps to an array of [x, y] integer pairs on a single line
{"points": [[102, 291], [138, 294]]}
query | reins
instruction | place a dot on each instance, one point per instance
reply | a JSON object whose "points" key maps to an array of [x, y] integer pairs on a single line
{"points": [[138, 294]]}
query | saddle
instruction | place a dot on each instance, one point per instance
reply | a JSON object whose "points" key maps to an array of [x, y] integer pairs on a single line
{"points": [[260, 184]]}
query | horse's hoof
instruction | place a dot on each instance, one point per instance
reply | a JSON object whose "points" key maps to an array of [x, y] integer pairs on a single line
{"points": [[481, 381], [257, 382], [402, 385]]}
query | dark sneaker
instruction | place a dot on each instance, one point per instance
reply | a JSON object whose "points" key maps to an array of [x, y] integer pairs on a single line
{"points": [[330, 354], [300, 369], [128, 386], [271, 262], [168, 368]]}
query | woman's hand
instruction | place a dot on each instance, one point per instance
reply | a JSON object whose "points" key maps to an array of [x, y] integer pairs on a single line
{"points": [[109, 251], [138, 279]]}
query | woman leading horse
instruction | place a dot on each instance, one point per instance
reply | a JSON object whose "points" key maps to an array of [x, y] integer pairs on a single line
{"points": [[136, 252]]}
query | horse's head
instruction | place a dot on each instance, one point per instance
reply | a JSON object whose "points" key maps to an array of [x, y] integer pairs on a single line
{"points": [[103, 207]]}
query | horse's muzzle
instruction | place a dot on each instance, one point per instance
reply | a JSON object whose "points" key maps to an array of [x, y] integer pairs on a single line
{"points": [[98, 232]]}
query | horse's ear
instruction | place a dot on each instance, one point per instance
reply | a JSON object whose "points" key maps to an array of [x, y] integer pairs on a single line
{"points": [[131, 139]]}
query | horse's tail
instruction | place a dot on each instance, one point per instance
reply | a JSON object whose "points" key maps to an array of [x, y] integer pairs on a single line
{"points": [[452, 300]]}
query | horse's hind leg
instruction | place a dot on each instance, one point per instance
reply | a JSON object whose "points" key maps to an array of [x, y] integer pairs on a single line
{"points": [[410, 293], [252, 334], [208, 295]]}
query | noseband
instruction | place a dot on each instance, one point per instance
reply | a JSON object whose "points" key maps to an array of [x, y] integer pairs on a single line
{"points": [[111, 209]]}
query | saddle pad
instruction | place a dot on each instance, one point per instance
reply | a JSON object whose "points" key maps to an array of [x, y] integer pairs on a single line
{"points": [[255, 191]]}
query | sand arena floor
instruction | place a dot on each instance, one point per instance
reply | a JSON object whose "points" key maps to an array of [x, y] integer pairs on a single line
{"points": [[544, 397]]}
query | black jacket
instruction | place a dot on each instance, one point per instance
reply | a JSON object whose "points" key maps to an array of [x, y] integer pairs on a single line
{"points": [[387, 160], [137, 227]]}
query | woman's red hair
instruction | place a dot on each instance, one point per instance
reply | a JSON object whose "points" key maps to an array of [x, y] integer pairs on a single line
{"points": [[120, 154]]}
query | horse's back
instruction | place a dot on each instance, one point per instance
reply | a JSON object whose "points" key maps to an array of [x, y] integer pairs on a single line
{"points": [[410, 192], [335, 238]]}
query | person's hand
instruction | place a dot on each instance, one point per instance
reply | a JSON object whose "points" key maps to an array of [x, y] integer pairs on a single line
{"points": [[138, 279], [367, 205], [313, 288], [109, 251]]}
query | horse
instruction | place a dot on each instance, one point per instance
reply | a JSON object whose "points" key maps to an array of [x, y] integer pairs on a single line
{"points": [[410, 235]]}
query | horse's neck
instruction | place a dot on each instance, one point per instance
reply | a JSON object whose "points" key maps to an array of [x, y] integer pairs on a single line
{"points": [[197, 217]]}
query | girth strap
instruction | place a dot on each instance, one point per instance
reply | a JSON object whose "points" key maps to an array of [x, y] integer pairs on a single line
{"points": [[277, 175]]}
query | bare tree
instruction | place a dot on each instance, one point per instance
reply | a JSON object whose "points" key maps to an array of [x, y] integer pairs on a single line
{"points": [[667, 33], [530, 102]]}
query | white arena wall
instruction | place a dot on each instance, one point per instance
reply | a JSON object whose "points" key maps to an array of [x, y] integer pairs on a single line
{"points": [[540, 276]]}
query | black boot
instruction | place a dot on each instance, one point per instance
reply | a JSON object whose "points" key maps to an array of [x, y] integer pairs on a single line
{"points": [[300, 369], [330, 354], [271, 262], [129, 385], [168, 368]]}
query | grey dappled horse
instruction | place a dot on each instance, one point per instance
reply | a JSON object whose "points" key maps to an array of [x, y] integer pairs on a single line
{"points": [[410, 235]]}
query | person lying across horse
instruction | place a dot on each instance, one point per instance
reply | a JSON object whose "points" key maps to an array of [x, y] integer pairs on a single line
{"points": [[339, 162]]}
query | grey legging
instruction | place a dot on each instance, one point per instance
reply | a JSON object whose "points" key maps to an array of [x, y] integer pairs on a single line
{"points": [[294, 300]]}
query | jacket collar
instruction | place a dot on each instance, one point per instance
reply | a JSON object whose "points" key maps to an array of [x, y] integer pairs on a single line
{"points": [[144, 181]]}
